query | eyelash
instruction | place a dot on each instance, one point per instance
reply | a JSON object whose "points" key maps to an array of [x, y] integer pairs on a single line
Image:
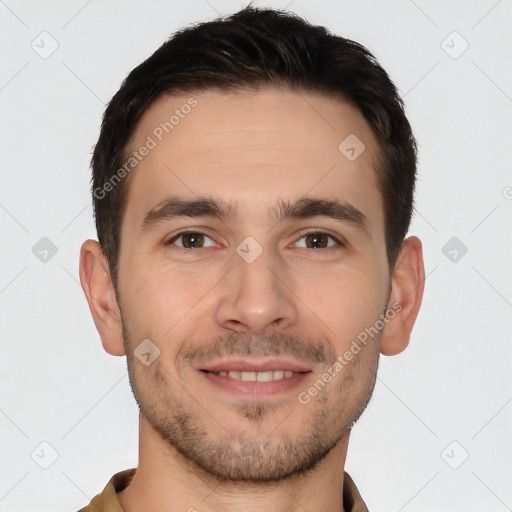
{"points": [[340, 243]]}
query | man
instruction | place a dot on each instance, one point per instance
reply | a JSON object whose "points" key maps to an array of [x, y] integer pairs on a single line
{"points": [[253, 187]]}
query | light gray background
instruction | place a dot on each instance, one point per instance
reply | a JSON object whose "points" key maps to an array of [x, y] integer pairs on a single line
{"points": [[451, 384]]}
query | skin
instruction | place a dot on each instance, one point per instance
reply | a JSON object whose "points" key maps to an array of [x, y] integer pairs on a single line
{"points": [[293, 301]]}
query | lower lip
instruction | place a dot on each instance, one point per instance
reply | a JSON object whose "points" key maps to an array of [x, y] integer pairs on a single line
{"points": [[255, 388]]}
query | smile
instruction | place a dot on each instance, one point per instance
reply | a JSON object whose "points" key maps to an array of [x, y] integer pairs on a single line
{"points": [[265, 376]]}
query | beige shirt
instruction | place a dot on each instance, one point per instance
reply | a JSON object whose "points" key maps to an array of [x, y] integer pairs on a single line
{"points": [[107, 501]]}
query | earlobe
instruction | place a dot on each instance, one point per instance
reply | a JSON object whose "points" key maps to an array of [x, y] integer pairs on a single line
{"points": [[99, 291], [407, 284]]}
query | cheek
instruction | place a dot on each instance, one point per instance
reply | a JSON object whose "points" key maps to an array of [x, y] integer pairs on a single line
{"points": [[157, 299], [346, 302]]}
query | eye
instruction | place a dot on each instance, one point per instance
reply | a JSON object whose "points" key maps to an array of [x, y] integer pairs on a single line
{"points": [[191, 240], [317, 240]]}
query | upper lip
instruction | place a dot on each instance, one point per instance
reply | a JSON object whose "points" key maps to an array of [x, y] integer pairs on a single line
{"points": [[255, 365]]}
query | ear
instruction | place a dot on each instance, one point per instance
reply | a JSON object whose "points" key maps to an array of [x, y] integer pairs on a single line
{"points": [[407, 284], [99, 291]]}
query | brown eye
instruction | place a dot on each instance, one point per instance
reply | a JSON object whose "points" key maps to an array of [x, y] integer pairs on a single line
{"points": [[316, 241], [192, 240]]}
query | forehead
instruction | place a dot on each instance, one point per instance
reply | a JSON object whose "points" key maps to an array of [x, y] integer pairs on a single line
{"points": [[253, 148]]}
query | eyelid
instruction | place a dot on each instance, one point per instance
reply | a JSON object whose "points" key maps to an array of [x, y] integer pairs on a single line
{"points": [[317, 231], [187, 231]]}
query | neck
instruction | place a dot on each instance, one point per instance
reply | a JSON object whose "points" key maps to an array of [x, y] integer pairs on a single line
{"points": [[165, 480]]}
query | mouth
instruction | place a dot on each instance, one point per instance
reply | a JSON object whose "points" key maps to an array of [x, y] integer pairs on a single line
{"points": [[256, 377]]}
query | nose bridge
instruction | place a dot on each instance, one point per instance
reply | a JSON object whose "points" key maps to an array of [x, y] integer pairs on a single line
{"points": [[255, 296], [256, 277]]}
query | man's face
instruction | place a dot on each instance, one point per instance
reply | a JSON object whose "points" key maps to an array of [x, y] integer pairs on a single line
{"points": [[250, 309]]}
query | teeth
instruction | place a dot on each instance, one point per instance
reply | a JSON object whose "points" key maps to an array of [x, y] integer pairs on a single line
{"points": [[257, 376], [264, 376]]}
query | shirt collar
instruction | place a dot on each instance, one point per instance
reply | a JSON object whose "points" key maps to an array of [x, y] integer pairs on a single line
{"points": [[107, 501]]}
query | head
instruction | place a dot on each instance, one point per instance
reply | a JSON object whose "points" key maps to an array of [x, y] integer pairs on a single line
{"points": [[253, 186]]}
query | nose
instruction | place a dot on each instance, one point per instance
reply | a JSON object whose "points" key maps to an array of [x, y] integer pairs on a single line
{"points": [[256, 297]]}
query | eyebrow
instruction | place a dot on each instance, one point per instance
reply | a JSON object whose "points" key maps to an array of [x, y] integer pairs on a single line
{"points": [[175, 207]]}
